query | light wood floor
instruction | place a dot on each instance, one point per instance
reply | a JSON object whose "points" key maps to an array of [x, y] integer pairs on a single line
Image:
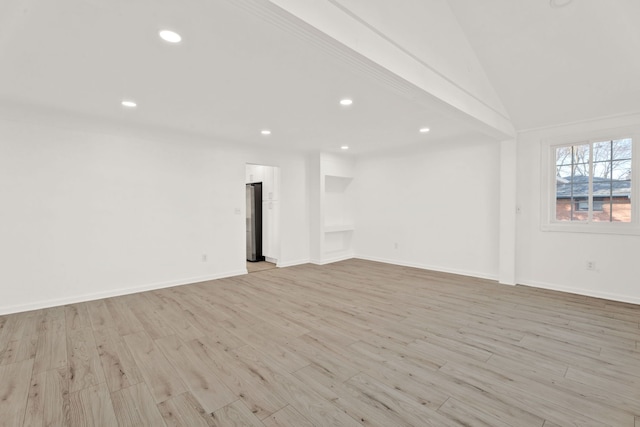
{"points": [[254, 267], [352, 343]]}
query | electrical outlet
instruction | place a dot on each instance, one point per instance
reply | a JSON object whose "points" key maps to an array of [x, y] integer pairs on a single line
{"points": [[591, 265], [395, 245], [204, 257]]}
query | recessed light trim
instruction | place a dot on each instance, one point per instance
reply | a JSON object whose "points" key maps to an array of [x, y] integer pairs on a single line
{"points": [[346, 102], [424, 130], [265, 132], [128, 103], [344, 147], [170, 36]]}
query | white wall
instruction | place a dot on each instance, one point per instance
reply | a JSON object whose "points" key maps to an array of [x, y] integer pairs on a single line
{"points": [[88, 211], [557, 260], [92, 213], [440, 205]]}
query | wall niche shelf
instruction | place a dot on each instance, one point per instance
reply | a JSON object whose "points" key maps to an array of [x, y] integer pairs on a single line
{"points": [[338, 214], [333, 228], [338, 228]]}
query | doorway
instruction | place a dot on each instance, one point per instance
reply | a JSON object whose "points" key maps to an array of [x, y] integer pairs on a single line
{"points": [[262, 186]]}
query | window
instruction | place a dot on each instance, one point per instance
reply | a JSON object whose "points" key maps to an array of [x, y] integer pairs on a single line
{"points": [[592, 186], [593, 181], [584, 206]]}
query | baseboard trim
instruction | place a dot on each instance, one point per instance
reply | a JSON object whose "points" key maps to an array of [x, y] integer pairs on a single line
{"points": [[116, 292], [332, 260], [149, 287], [578, 291], [429, 267], [284, 264]]}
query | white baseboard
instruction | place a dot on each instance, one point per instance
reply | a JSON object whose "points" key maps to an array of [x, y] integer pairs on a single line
{"points": [[331, 260], [283, 264], [430, 267], [115, 292], [579, 291], [153, 286]]}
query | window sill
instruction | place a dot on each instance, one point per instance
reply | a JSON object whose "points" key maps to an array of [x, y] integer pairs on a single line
{"points": [[594, 228]]}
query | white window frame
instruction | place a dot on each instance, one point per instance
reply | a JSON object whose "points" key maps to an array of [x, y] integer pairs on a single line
{"points": [[548, 186]]}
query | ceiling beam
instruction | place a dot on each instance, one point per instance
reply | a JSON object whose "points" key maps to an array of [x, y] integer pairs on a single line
{"points": [[327, 25]]}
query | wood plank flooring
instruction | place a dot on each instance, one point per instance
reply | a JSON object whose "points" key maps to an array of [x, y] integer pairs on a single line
{"points": [[348, 344], [255, 267]]}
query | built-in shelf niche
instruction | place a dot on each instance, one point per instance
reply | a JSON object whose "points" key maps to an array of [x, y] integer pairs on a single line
{"points": [[338, 209], [332, 207], [338, 224], [338, 228], [337, 243]]}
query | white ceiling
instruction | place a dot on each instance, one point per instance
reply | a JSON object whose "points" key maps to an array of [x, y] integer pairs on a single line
{"points": [[557, 65], [233, 75], [236, 73]]}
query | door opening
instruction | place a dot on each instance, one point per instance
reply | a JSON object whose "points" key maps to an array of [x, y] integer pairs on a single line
{"points": [[262, 219], [254, 222]]}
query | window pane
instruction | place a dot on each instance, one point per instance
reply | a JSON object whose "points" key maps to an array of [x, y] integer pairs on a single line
{"points": [[563, 192], [572, 182], [601, 151], [581, 154], [621, 149], [621, 191], [598, 205], [563, 174], [621, 170], [563, 209], [602, 170], [602, 209], [581, 169], [578, 204], [580, 185], [563, 156], [602, 184], [621, 210], [582, 206]]}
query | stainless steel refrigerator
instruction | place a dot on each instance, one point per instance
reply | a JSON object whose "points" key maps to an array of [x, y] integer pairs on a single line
{"points": [[254, 222]]}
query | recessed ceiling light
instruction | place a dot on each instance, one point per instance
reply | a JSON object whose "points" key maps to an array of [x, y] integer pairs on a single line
{"points": [[559, 3], [265, 132], [170, 36], [130, 104], [346, 102], [344, 147], [424, 130]]}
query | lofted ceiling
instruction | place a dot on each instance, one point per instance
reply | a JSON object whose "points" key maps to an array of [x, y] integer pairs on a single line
{"points": [[234, 74], [237, 72], [554, 65]]}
